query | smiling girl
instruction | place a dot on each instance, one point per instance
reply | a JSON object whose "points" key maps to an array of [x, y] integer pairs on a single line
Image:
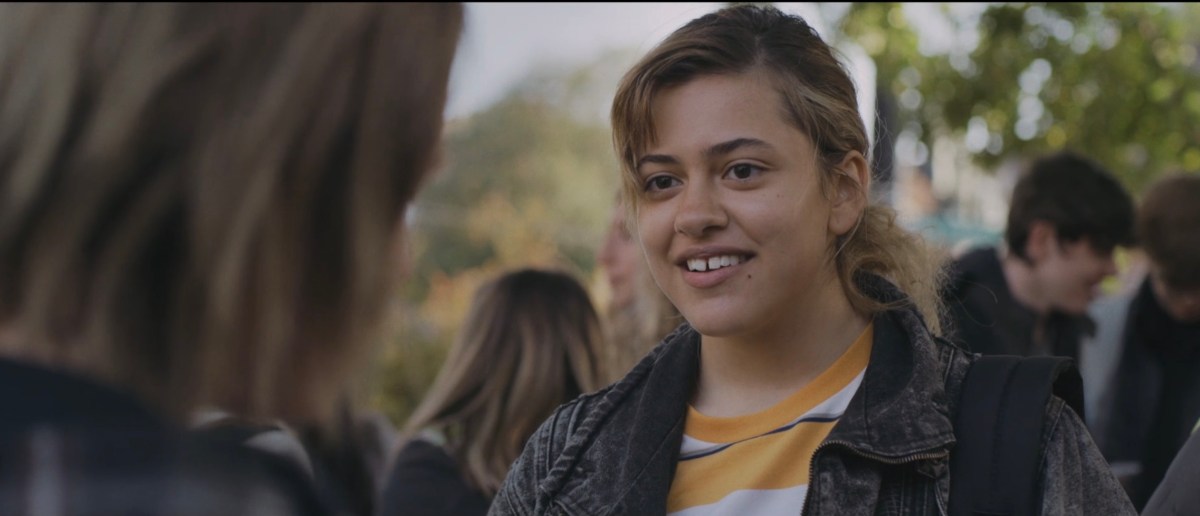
{"points": [[807, 378]]}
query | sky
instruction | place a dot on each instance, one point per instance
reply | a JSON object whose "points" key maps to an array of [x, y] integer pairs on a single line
{"points": [[502, 42]]}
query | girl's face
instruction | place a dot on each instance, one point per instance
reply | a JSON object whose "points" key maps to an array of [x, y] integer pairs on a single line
{"points": [[731, 215]]}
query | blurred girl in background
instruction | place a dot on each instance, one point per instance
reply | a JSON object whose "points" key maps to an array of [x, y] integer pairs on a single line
{"points": [[638, 315], [531, 342]]}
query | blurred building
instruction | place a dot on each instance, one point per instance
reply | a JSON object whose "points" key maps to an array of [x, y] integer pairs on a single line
{"points": [[949, 199]]}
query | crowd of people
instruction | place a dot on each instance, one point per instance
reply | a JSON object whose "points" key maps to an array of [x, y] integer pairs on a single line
{"points": [[201, 219]]}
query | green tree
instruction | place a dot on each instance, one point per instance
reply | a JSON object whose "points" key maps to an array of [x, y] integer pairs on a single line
{"points": [[528, 181], [1116, 81]]}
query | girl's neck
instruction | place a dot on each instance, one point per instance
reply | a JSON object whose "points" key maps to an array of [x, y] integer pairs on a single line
{"points": [[745, 374]]}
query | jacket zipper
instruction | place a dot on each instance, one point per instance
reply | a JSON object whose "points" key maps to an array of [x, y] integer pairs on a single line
{"points": [[812, 464]]}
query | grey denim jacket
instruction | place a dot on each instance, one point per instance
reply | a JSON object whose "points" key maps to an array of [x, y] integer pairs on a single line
{"points": [[614, 452]]}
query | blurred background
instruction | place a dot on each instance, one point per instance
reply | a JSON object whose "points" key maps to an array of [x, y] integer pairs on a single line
{"points": [[955, 95]]}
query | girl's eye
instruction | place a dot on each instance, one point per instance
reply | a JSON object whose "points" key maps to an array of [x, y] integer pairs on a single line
{"points": [[657, 183], [743, 171]]}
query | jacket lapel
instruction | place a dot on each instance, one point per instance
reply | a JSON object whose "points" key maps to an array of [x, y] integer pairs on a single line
{"points": [[897, 413], [628, 467]]}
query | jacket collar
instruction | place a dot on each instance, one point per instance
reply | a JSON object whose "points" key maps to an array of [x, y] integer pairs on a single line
{"points": [[898, 412], [623, 454], [628, 443]]}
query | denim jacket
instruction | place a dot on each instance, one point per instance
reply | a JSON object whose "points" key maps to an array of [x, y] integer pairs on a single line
{"points": [[614, 452]]}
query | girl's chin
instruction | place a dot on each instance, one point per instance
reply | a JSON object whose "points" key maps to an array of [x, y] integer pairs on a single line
{"points": [[716, 327]]}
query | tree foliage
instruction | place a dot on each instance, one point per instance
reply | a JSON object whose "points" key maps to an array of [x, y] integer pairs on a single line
{"points": [[1115, 81], [529, 181]]}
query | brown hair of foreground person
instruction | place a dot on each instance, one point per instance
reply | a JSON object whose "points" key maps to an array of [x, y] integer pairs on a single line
{"points": [[201, 203]]}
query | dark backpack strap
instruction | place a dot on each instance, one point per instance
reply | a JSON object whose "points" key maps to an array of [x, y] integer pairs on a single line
{"points": [[994, 469]]}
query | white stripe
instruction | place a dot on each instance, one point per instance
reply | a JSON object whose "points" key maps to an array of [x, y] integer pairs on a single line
{"points": [[757, 502], [833, 406]]}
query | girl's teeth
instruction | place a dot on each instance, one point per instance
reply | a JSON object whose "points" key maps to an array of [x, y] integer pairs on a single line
{"points": [[713, 263]]}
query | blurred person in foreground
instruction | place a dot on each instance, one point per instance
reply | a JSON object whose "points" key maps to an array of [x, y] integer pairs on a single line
{"points": [[531, 342], [1151, 403], [1030, 297], [808, 378], [638, 315], [345, 458], [200, 206]]}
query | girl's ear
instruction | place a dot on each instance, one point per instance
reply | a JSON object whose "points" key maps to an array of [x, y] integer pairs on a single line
{"points": [[851, 182]]}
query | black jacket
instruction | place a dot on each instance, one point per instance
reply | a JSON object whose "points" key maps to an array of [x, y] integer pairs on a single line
{"points": [[985, 317], [1155, 399], [72, 447], [614, 452], [425, 481]]}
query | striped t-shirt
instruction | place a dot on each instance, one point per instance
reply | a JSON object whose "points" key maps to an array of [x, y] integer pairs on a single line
{"points": [[759, 463]]}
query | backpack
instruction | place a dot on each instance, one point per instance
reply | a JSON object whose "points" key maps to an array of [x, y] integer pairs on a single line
{"points": [[995, 467]]}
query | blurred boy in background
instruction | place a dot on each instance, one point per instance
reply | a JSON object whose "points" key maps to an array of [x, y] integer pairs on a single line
{"points": [[1031, 297], [1151, 404]]}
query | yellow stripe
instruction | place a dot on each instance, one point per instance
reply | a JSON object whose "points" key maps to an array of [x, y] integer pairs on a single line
{"points": [[773, 461], [828, 383]]}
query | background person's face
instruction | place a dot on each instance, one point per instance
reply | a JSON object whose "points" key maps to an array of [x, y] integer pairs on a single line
{"points": [[620, 258], [1181, 303], [1070, 273]]}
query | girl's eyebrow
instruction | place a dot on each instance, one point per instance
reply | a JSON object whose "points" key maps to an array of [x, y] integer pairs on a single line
{"points": [[662, 159], [716, 150], [727, 147]]}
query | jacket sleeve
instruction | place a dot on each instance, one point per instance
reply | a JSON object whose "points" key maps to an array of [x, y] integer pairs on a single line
{"points": [[1076, 480], [518, 496]]}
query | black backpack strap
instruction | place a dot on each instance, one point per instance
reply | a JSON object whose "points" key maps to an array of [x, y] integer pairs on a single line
{"points": [[1001, 414]]}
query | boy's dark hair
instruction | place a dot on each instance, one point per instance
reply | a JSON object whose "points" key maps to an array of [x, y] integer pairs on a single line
{"points": [[1077, 196], [1167, 222]]}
